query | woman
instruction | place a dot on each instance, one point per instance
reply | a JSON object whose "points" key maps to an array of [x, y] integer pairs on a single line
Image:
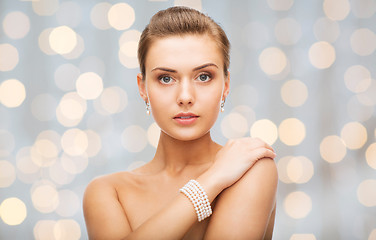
{"points": [[184, 81]]}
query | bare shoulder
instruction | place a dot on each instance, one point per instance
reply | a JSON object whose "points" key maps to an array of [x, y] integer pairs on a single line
{"points": [[104, 213], [253, 198]]}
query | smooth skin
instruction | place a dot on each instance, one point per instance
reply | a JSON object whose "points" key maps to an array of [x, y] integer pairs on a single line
{"points": [[185, 74]]}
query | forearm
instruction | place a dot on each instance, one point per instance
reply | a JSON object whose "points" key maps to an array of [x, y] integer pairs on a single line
{"points": [[174, 221]]}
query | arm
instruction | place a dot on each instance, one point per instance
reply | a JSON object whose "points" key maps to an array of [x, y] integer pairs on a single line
{"points": [[246, 209], [106, 219], [104, 215]]}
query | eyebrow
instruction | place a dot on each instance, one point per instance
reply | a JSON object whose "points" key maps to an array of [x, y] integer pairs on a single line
{"points": [[195, 69]]}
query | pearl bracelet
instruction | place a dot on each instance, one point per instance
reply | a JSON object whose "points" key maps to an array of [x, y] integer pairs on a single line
{"points": [[196, 194]]}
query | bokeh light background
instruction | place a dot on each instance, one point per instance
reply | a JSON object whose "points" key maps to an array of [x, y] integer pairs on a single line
{"points": [[303, 79]]}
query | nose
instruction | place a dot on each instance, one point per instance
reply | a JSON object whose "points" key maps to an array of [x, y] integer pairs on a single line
{"points": [[186, 93]]}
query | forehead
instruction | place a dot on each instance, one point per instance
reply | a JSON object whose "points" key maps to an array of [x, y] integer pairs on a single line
{"points": [[186, 50]]}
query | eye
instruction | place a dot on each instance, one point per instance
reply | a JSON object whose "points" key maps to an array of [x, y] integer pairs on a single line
{"points": [[165, 79], [204, 77]]}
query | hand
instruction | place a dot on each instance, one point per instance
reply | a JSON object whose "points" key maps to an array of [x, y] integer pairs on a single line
{"points": [[237, 157]]}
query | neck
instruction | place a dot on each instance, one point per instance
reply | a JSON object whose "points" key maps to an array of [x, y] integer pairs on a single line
{"points": [[174, 156]]}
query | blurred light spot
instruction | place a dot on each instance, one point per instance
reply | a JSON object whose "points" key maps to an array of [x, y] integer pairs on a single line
{"points": [[8, 57], [59, 175], [46, 148], [16, 25], [134, 165], [291, 131], [256, 35], [354, 134], [7, 143], [301, 236], [69, 203], [368, 97], [77, 50], [326, 30], [52, 136], [336, 10], [94, 143], [246, 112], [196, 4], [71, 109], [272, 60], [153, 134], [234, 125], [280, 5], [63, 39], [24, 161], [244, 93], [363, 9], [265, 130], [332, 149], [89, 85], [295, 169], [74, 142], [12, 93], [358, 111], [372, 235], [67, 229], [45, 7], [43, 230], [294, 93], [288, 31], [299, 169], [297, 205], [367, 192], [363, 41], [13, 211], [371, 155], [45, 198], [7, 174], [112, 100], [322, 55], [134, 138], [357, 78], [121, 16], [98, 15], [44, 42], [65, 76], [69, 14], [93, 64], [128, 49], [74, 164], [282, 169], [43, 107]]}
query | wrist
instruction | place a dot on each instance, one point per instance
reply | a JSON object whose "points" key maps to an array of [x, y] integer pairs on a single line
{"points": [[211, 184]]}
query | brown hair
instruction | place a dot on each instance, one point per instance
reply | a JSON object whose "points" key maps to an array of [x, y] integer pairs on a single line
{"points": [[181, 21]]}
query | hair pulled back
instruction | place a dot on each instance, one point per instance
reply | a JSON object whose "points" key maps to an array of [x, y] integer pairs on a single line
{"points": [[181, 21]]}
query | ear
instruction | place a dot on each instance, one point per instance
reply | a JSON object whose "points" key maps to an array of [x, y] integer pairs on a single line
{"points": [[142, 87], [226, 89]]}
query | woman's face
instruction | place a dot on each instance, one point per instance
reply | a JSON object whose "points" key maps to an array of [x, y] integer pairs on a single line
{"points": [[184, 84]]}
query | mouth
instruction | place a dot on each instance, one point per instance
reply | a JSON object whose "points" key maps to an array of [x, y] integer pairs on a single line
{"points": [[186, 118], [186, 115]]}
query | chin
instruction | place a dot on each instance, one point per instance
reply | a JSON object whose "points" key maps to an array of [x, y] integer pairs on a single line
{"points": [[187, 135]]}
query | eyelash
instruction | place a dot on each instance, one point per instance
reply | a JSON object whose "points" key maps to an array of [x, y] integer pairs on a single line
{"points": [[205, 73]]}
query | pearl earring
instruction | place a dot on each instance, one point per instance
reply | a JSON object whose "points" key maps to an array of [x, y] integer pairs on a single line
{"points": [[223, 105], [147, 108]]}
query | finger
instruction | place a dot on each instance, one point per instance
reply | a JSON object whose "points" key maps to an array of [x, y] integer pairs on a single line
{"points": [[260, 153], [258, 143]]}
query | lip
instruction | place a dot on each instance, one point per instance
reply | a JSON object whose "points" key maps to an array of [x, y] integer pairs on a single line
{"points": [[186, 118]]}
